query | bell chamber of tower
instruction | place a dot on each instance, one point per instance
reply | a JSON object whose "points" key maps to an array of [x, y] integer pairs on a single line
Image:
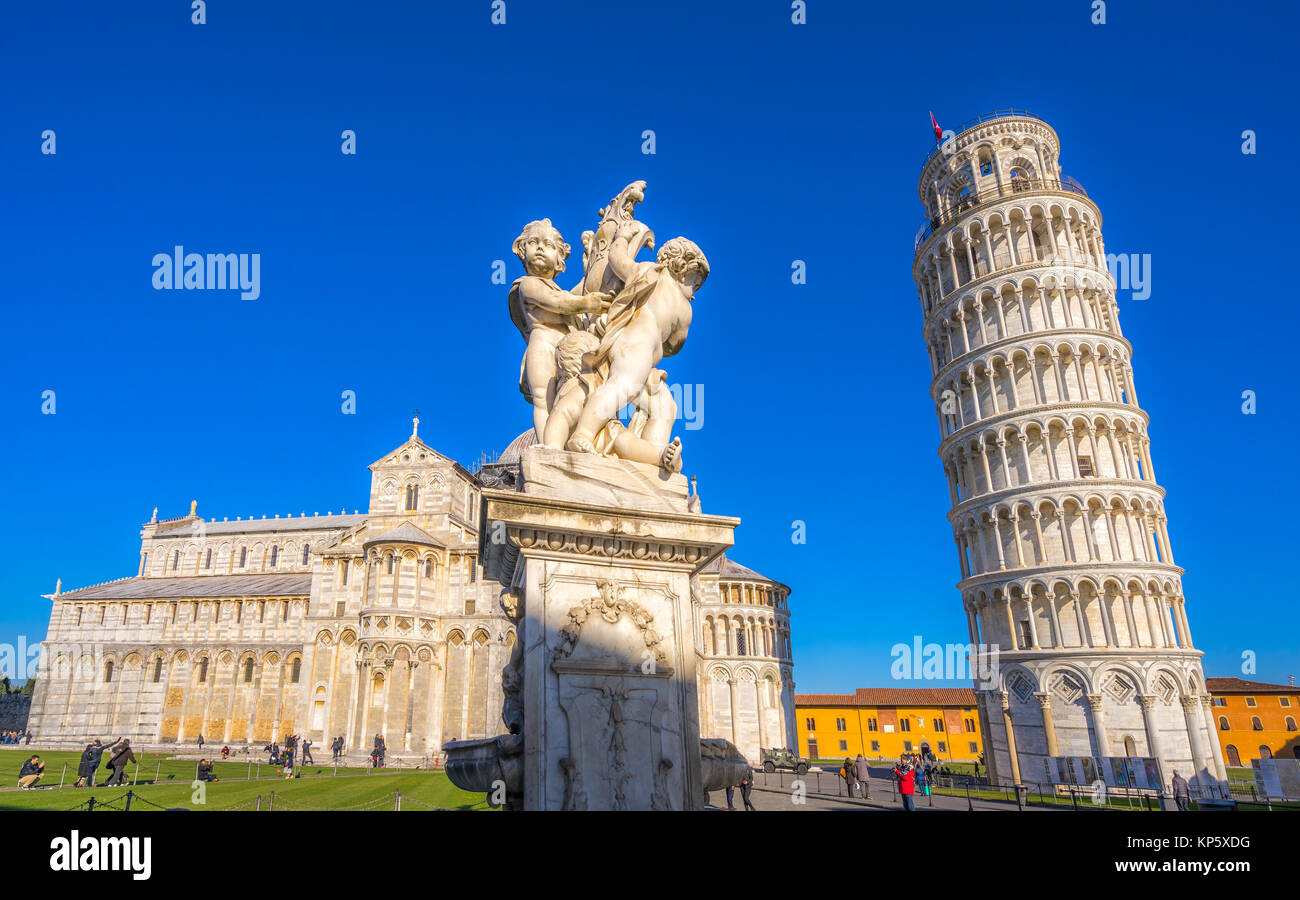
{"points": [[1059, 524]]}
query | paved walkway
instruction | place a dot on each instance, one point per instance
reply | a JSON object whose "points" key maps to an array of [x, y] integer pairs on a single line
{"points": [[778, 794]]}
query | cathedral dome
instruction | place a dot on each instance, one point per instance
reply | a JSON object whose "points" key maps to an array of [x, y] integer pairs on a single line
{"points": [[514, 454]]}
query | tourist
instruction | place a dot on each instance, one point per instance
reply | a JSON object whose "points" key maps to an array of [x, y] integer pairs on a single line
{"points": [[380, 749], [747, 785], [89, 763], [119, 761], [306, 754], [846, 772], [30, 773], [204, 771], [731, 797], [906, 783], [200, 742], [920, 782], [337, 747], [863, 774], [1182, 792], [29, 736], [225, 752], [288, 762]]}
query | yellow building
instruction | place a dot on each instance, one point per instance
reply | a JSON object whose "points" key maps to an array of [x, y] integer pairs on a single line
{"points": [[884, 723], [1256, 720]]}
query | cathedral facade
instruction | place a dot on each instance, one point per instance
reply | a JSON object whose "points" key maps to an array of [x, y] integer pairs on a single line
{"points": [[355, 624]]}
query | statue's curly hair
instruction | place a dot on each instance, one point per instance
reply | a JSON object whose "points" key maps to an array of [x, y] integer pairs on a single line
{"points": [[569, 352], [680, 255], [545, 225]]}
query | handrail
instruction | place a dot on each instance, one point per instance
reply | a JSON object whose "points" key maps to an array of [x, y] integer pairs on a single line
{"points": [[1011, 188], [986, 117]]}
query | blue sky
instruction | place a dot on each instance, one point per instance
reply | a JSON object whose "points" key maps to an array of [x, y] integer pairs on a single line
{"points": [[775, 142]]}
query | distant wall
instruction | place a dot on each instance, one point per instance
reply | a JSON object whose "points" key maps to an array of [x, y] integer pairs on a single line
{"points": [[13, 711]]}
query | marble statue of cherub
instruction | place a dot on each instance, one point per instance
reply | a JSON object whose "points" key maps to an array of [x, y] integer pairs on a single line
{"points": [[648, 436], [544, 313], [648, 320]]}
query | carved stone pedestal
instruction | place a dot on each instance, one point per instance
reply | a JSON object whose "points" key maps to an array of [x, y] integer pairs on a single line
{"points": [[598, 556]]}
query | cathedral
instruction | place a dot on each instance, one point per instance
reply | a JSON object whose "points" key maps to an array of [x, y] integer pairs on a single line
{"points": [[356, 624]]}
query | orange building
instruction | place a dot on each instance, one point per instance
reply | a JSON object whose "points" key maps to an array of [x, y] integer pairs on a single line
{"points": [[883, 723], [1256, 720]]}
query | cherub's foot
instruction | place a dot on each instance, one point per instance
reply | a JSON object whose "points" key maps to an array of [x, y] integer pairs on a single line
{"points": [[580, 444], [671, 458]]}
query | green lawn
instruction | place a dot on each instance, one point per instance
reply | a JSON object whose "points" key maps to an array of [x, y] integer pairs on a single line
{"points": [[317, 789]]}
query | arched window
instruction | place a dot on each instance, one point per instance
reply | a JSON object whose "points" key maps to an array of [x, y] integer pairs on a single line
{"points": [[295, 670], [275, 554], [412, 497], [1223, 723], [1290, 723], [1019, 180], [108, 671], [391, 564], [243, 556], [1256, 724], [176, 560], [306, 553], [248, 670], [207, 560], [428, 567], [157, 670], [203, 670], [1130, 745], [1265, 752], [1234, 758]]}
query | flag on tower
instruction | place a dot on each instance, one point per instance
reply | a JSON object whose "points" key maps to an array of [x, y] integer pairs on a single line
{"points": [[938, 132]]}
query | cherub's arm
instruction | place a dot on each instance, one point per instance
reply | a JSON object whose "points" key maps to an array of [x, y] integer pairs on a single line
{"points": [[536, 292], [621, 259]]}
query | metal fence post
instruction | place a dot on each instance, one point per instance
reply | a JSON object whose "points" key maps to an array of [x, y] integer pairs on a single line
{"points": [[62, 774], [271, 803], [90, 805], [397, 807], [259, 803], [129, 795], [157, 770]]}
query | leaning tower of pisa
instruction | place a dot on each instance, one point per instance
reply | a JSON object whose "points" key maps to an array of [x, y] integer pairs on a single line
{"points": [[1059, 522]]}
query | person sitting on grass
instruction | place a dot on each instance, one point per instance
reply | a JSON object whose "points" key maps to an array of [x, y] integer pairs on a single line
{"points": [[31, 772], [204, 772]]}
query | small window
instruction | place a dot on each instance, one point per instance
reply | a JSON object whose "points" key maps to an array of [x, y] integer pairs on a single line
{"points": [[275, 555], [938, 724], [1265, 751], [905, 724], [295, 670], [345, 571], [907, 745], [306, 553], [243, 557], [943, 748], [108, 671], [428, 567], [1290, 723], [974, 747], [1256, 724], [248, 670], [1234, 758], [841, 725], [1218, 701], [844, 745], [1283, 701], [203, 670], [391, 563], [469, 606], [810, 724], [1250, 701], [1223, 723], [412, 497], [176, 560], [875, 746], [872, 725], [970, 724], [207, 559]]}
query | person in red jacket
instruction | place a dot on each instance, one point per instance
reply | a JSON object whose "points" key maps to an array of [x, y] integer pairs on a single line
{"points": [[906, 784]]}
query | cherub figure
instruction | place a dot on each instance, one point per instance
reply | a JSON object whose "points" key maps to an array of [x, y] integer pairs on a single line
{"points": [[646, 439], [648, 320], [544, 313]]}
